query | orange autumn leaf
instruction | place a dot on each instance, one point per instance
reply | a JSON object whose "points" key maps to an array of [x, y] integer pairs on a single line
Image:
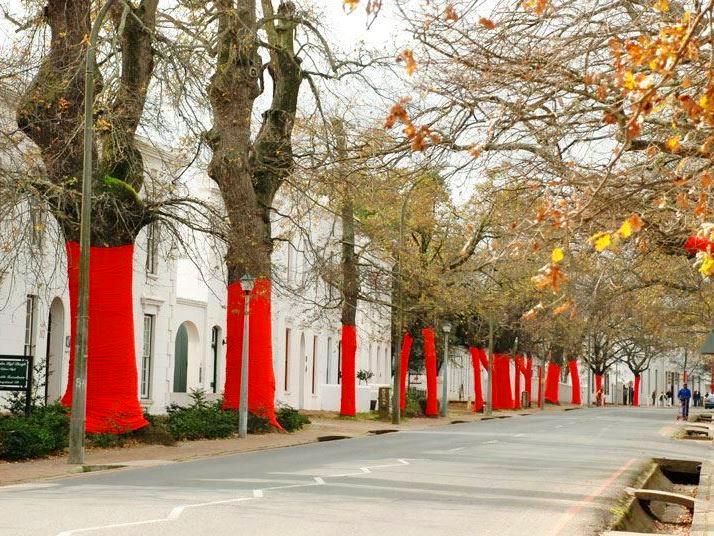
{"points": [[407, 56], [487, 23], [450, 13], [562, 308], [535, 6], [661, 6]]}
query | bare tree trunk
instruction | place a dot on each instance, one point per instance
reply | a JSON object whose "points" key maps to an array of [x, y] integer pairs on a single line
{"points": [[250, 173], [50, 113]]}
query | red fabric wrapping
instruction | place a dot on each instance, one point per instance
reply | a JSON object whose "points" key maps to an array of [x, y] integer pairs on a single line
{"points": [[528, 373], [404, 369], [636, 393], [112, 382], [551, 383], [698, 243], [483, 358], [261, 378], [575, 381], [478, 389], [349, 349], [517, 386], [432, 408], [502, 396]]}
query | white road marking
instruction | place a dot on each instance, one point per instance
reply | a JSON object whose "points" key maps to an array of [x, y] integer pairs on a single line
{"points": [[519, 435], [492, 442], [177, 511], [456, 449]]}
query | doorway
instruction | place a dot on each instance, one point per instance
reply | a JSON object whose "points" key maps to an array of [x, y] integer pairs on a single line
{"points": [[55, 352]]}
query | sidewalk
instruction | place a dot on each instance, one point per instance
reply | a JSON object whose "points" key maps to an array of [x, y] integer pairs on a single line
{"points": [[323, 424]]}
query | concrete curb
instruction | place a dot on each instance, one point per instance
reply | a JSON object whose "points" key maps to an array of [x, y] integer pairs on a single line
{"points": [[703, 520]]}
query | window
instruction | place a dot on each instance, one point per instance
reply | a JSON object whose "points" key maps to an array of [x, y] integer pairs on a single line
{"points": [[286, 365], [339, 362], [369, 359], [147, 355], [215, 342], [328, 377], [30, 312], [152, 249], [314, 362]]}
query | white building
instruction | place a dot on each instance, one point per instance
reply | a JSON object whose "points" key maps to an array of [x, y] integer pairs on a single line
{"points": [[180, 315]]}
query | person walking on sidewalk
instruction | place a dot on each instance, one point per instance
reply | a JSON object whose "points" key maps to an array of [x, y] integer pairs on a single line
{"points": [[684, 395]]}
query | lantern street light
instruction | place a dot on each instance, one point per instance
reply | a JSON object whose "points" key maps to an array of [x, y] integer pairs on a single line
{"points": [[247, 282], [446, 328]]}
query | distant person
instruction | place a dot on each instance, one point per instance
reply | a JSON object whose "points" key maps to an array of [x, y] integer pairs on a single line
{"points": [[697, 397], [670, 398], [654, 398], [631, 395], [624, 395], [684, 395], [598, 398]]}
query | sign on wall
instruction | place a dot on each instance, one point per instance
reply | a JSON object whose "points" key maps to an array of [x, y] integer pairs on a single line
{"points": [[16, 375]]}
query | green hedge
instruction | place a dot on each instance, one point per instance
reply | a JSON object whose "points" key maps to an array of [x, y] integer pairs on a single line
{"points": [[45, 432]]}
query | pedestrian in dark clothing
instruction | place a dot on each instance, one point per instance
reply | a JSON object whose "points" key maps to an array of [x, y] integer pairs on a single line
{"points": [[695, 397], [684, 395], [631, 395], [654, 397], [624, 395]]}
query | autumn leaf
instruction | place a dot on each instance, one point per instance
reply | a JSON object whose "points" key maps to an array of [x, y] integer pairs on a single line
{"points": [[407, 56], [350, 5], [706, 264], [557, 255], [535, 6], [661, 6], [673, 143], [450, 13], [532, 312], [601, 241], [562, 308], [487, 23], [631, 225]]}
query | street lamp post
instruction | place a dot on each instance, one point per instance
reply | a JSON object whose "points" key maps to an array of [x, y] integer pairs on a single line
{"points": [[247, 282], [446, 328], [77, 424]]}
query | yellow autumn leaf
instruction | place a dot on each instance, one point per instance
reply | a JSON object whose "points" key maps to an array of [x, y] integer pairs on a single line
{"points": [[673, 143], [661, 6], [628, 81], [557, 255], [625, 230], [601, 241], [706, 268]]}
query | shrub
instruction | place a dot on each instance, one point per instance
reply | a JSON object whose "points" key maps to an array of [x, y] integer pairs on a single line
{"points": [[200, 420], [416, 403], [44, 432], [156, 433], [290, 419], [106, 441]]}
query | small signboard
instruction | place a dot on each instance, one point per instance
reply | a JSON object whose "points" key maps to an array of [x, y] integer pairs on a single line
{"points": [[16, 375]]}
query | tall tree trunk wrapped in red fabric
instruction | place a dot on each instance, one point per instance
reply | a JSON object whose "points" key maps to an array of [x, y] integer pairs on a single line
{"points": [[404, 369], [432, 408], [261, 378], [349, 349], [112, 385], [636, 392], [575, 381], [528, 373], [502, 395], [517, 386], [552, 380], [478, 388], [598, 383]]}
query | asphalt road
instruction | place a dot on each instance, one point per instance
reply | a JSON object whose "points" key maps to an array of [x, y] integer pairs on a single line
{"points": [[548, 474]]}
